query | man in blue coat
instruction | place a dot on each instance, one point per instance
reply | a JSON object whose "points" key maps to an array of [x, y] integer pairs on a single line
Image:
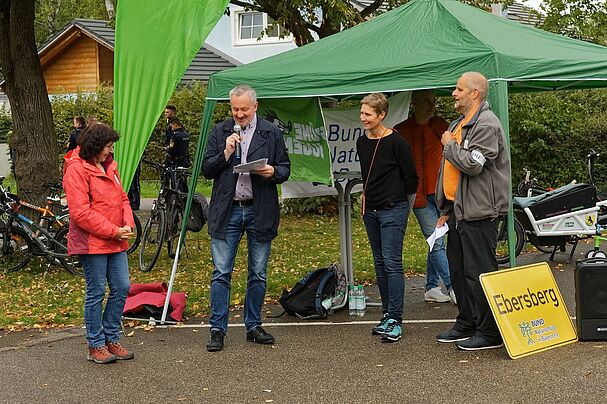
{"points": [[246, 202]]}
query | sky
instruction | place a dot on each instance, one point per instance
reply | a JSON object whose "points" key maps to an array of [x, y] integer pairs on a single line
{"points": [[532, 3]]}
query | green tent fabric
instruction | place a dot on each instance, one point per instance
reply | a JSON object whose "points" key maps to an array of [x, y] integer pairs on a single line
{"points": [[423, 44], [156, 40]]}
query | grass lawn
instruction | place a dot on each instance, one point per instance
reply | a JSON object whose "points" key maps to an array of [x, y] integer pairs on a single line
{"points": [[150, 188], [38, 296]]}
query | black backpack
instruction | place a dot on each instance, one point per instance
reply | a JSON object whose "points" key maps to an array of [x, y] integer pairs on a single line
{"points": [[198, 213], [305, 299]]}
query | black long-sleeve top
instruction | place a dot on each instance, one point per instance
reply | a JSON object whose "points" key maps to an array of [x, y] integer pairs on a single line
{"points": [[393, 176]]}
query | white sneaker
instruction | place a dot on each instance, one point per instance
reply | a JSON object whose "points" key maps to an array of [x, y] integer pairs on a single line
{"points": [[452, 296], [436, 295]]}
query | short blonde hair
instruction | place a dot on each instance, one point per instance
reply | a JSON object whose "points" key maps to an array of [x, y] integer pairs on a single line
{"points": [[377, 101]]}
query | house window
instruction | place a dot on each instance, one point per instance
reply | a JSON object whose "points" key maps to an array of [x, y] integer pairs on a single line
{"points": [[250, 25]]}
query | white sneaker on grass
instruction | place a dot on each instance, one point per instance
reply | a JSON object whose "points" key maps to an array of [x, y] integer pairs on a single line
{"points": [[436, 295]]}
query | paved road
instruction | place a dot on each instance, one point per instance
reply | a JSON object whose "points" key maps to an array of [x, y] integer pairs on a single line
{"points": [[5, 167], [334, 361]]}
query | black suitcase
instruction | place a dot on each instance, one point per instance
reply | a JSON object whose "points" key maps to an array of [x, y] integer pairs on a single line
{"points": [[591, 299]]}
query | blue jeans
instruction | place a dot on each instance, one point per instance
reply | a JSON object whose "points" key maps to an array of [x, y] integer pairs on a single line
{"points": [[436, 263], [386, 230], [99, 268], [241, 220]]}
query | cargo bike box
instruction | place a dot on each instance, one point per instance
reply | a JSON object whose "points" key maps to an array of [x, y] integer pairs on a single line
{"points": [[552, 218]]}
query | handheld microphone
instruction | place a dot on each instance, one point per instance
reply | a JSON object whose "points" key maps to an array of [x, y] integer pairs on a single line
{"points": [[238, 151]]}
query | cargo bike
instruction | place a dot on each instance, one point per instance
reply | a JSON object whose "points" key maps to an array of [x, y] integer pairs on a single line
{"points": [[557, 218]]}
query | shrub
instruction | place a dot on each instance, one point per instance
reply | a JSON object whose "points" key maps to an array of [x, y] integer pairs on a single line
{"points": [[6, 125], [188, 100]]}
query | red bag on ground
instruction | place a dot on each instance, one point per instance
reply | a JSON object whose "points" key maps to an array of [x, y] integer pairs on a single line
{"points": [[147, 299]]}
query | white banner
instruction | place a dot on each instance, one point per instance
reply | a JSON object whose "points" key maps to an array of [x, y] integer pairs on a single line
{"points": [[343, 128]]}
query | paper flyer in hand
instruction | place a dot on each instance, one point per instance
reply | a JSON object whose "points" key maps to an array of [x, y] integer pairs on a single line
{"points": [[251, 166], [438, 233]]}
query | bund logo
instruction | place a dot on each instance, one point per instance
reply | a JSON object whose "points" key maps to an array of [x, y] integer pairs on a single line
{"points": [[527, 332]]}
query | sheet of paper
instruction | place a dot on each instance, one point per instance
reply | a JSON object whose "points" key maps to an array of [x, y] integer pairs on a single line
{"points": [[250, 166], [438, 233]]}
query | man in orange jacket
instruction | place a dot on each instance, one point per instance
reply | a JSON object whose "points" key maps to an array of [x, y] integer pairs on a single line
{"points": [[423, 131]]}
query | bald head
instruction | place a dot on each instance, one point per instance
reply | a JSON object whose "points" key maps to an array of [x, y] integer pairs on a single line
{"points": [[470, 92], [477, 81]]}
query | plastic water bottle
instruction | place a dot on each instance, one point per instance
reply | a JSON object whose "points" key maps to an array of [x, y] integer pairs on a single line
{"points": [[352, 301], [361, 304]]}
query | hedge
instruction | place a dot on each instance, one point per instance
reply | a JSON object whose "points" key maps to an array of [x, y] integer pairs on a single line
{"points": [[550, 132]]}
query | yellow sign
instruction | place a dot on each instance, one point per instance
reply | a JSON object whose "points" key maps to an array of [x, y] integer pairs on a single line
{"points": [[528, 308]]}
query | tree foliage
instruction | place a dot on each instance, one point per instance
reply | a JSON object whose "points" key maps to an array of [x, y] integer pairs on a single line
{"points": [[579, 19], [52, 15], [327, 17]]}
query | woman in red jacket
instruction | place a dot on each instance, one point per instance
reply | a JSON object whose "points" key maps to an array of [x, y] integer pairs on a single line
{"points": [[101, 222]]}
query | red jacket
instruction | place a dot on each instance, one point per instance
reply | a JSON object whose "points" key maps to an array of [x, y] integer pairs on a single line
{"points": [[98, 206]]}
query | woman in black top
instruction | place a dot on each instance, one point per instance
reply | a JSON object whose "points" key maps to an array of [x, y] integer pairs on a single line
{"points": [[390, 182]]}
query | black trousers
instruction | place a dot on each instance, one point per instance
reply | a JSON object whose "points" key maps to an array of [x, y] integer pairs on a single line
{"points": [[134, 193], [471, 252]]}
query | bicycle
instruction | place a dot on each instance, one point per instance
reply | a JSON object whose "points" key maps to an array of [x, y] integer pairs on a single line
{"points": [[22, 238], [166, 216], [523, 227], [529, 186]]}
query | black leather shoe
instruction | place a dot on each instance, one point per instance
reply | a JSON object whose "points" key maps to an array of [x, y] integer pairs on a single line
{"points": [[259, 336], [216, 341]]}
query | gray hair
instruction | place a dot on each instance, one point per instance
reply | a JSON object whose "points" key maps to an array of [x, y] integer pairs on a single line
{"points": [[242, 89]]}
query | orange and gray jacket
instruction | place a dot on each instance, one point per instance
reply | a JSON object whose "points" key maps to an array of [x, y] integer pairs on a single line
{"points": [[484, 164]]}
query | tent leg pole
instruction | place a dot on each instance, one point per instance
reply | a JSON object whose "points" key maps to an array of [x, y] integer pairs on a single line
{"points": [[172, 280]]}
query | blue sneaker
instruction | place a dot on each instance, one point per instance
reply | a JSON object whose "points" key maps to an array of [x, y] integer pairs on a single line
{"points": [[393, 331], [380, 328]]}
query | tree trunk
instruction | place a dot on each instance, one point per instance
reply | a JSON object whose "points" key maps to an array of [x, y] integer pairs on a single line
{"points": [[109, 6], [33, 138]]}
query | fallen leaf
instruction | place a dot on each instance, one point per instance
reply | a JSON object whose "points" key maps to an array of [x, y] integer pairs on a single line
{"points": [[131, 334], [267, 390]]}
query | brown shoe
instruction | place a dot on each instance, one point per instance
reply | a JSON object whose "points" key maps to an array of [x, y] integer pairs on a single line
{"points": [[117, 349], [101, 355]]}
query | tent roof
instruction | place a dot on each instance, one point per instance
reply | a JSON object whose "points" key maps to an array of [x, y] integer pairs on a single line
{"points": [[423, 44]]}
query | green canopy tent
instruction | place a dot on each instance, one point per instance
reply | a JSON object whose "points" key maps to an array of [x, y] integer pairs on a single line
{"points": [[423, 44]]}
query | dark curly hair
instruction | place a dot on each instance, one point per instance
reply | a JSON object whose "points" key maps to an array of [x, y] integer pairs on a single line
{"points": [[96, 138]]}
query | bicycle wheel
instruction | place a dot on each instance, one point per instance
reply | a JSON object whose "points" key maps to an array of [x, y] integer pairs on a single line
{"points": [[137, 231], [71, 263], [501, 252], [16, 250], [151, 240], [174, 219]]}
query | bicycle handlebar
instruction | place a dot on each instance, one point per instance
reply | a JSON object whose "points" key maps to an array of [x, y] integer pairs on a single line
{"points": [[593, 154]]}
